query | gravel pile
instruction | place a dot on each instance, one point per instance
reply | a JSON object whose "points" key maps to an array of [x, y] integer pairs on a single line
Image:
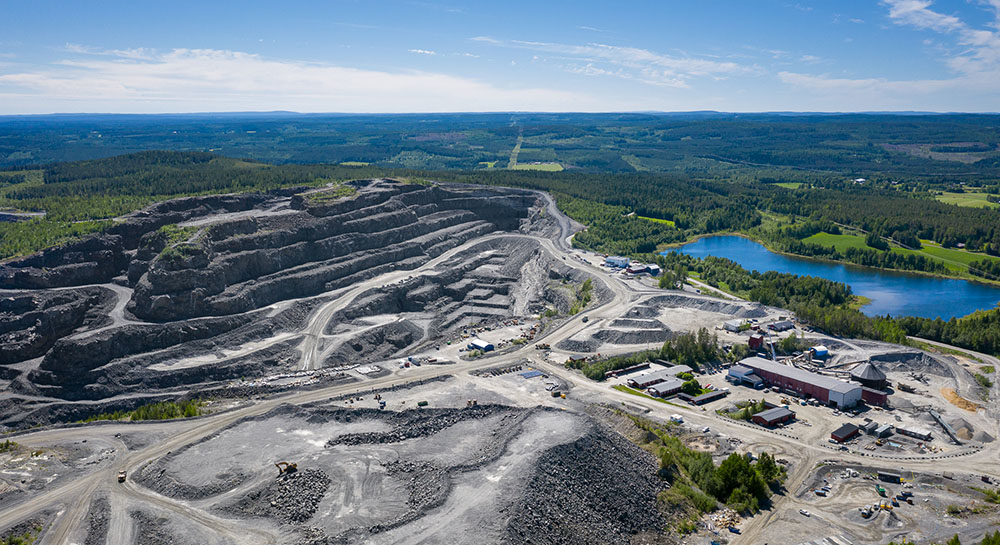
{"points": [[291, 498], [97, 522], [151, 530], [418, 423], [598, 489]]}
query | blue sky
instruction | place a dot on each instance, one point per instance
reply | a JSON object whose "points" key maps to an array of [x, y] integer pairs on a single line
{"points": [[415, 56]]}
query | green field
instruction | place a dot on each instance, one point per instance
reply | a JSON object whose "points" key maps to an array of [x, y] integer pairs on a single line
{"points": [[955, 260], [789, 185], [545, 167], [657, 220], [839, 242], [976, 200], [354, 164], [488, 164]]}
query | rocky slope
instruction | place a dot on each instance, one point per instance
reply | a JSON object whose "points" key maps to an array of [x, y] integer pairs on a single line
{"points": [[172, 295]]}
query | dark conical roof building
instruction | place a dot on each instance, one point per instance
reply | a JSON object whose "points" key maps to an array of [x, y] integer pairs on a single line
{"points": [[869, 375]]}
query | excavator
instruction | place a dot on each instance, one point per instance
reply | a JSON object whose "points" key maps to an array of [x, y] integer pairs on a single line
{"points": [[288, 467]]}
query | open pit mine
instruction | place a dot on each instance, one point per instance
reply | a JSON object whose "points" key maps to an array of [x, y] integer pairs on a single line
{"points": [[386, 362]]}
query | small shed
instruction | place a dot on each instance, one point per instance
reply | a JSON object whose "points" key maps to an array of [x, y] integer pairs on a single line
{"points": [[756, 341], [845, 432], [733, 325], [820, 352], [894, 478], [870, 427], [772, 417]]}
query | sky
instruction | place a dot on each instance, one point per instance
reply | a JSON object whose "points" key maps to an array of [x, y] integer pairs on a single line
{"points": [[413, 56]]}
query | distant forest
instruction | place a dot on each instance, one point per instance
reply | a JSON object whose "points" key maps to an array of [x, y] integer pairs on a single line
{"points": [[932, 149]]}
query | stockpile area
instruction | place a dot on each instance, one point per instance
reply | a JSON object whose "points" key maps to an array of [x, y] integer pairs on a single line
{"points": [[363, 475], [925, 507], [598, 489]]}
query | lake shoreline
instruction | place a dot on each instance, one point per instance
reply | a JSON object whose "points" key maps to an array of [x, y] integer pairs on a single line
{"points": [[665, 248], [878, 291]]}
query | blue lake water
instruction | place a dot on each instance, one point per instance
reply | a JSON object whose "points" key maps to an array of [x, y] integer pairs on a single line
{"points": [[897, 294]]}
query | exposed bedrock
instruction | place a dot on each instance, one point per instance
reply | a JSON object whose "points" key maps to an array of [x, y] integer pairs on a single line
{"points": [[96, 259], [70, 365], [315, 245], [31, 322]]}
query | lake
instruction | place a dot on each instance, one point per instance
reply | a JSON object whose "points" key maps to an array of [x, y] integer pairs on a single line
{"points": [[893, 293]]}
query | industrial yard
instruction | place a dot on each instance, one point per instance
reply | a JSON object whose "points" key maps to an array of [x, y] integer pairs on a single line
{"points": [[415, 390]]}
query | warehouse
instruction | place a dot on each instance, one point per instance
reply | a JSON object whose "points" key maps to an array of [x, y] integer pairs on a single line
{"points": [[827, 390], [773, 417], [744, 376], [883, 431], [845, 433], [617, 261], [479, 344], [733, 326], [783, 325], [665, 388], [649, 379], [916, 433]]}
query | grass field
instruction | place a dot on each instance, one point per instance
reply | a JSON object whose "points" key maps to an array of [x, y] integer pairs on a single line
{"points": [[354, 164], [546, 167], [976, 200], [657, 220], [789, 185], [839, 242], [488, 164], [954, 260]]}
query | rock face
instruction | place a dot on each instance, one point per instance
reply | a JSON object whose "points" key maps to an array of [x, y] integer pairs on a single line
{"points": [[317, 246], [171, 295], [30, 323]]}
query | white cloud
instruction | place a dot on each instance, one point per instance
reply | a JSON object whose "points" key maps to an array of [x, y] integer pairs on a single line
{"points": [[974, 61], [422, 51], [980, 49], [628, 62], [184, 80]]}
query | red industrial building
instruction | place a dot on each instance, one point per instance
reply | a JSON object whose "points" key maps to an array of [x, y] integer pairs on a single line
{"points": [[826, 389], [874, 397], [773, 417]]}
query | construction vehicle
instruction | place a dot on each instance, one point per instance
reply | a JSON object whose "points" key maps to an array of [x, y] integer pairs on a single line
{"points": [[880, 489], [288, 467], [121, 476]]}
